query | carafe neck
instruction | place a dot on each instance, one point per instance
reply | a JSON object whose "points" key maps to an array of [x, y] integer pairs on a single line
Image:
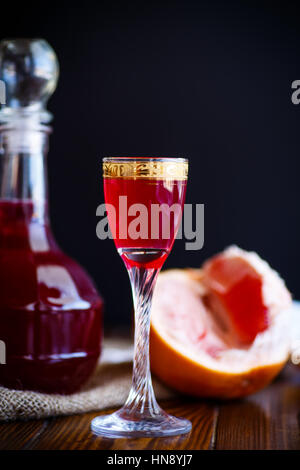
{"points": [[23, 169]]}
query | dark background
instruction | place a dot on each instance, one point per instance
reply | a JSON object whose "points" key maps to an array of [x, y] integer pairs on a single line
{"points": [[210, 81]]}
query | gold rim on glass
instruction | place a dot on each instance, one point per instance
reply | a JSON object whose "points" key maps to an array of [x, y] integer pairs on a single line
{"points": [[145, 168]]}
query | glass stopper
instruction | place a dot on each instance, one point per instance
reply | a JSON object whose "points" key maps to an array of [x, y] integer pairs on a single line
{"points": [[29, 70]]}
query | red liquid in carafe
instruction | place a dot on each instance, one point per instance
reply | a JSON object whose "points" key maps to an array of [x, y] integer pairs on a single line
{"points": [[50, 311]]}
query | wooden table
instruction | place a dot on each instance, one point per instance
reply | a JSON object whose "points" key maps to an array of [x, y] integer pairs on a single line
{"points": [[269, 419]]}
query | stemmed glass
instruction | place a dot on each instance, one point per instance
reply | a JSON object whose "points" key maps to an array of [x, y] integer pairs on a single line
{"points": [[144, 199]]}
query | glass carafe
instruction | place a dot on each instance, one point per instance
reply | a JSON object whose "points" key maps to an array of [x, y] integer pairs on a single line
{"points": [[50, 310]]}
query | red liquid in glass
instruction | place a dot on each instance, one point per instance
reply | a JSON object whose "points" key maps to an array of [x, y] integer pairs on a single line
{"points": [[146, 192], [50, 311]]}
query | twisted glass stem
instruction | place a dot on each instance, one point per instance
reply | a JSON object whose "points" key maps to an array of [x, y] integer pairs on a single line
{"points": [[141, 399], [141, 416]]}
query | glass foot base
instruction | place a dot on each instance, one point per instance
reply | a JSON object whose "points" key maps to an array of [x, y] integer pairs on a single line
{"points": [[120, 424]]}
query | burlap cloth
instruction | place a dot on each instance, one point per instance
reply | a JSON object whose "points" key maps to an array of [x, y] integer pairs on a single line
{"points": [[108, 388]]}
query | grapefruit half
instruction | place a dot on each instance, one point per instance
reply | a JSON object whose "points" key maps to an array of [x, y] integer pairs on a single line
{"points": [[223, 330]]}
